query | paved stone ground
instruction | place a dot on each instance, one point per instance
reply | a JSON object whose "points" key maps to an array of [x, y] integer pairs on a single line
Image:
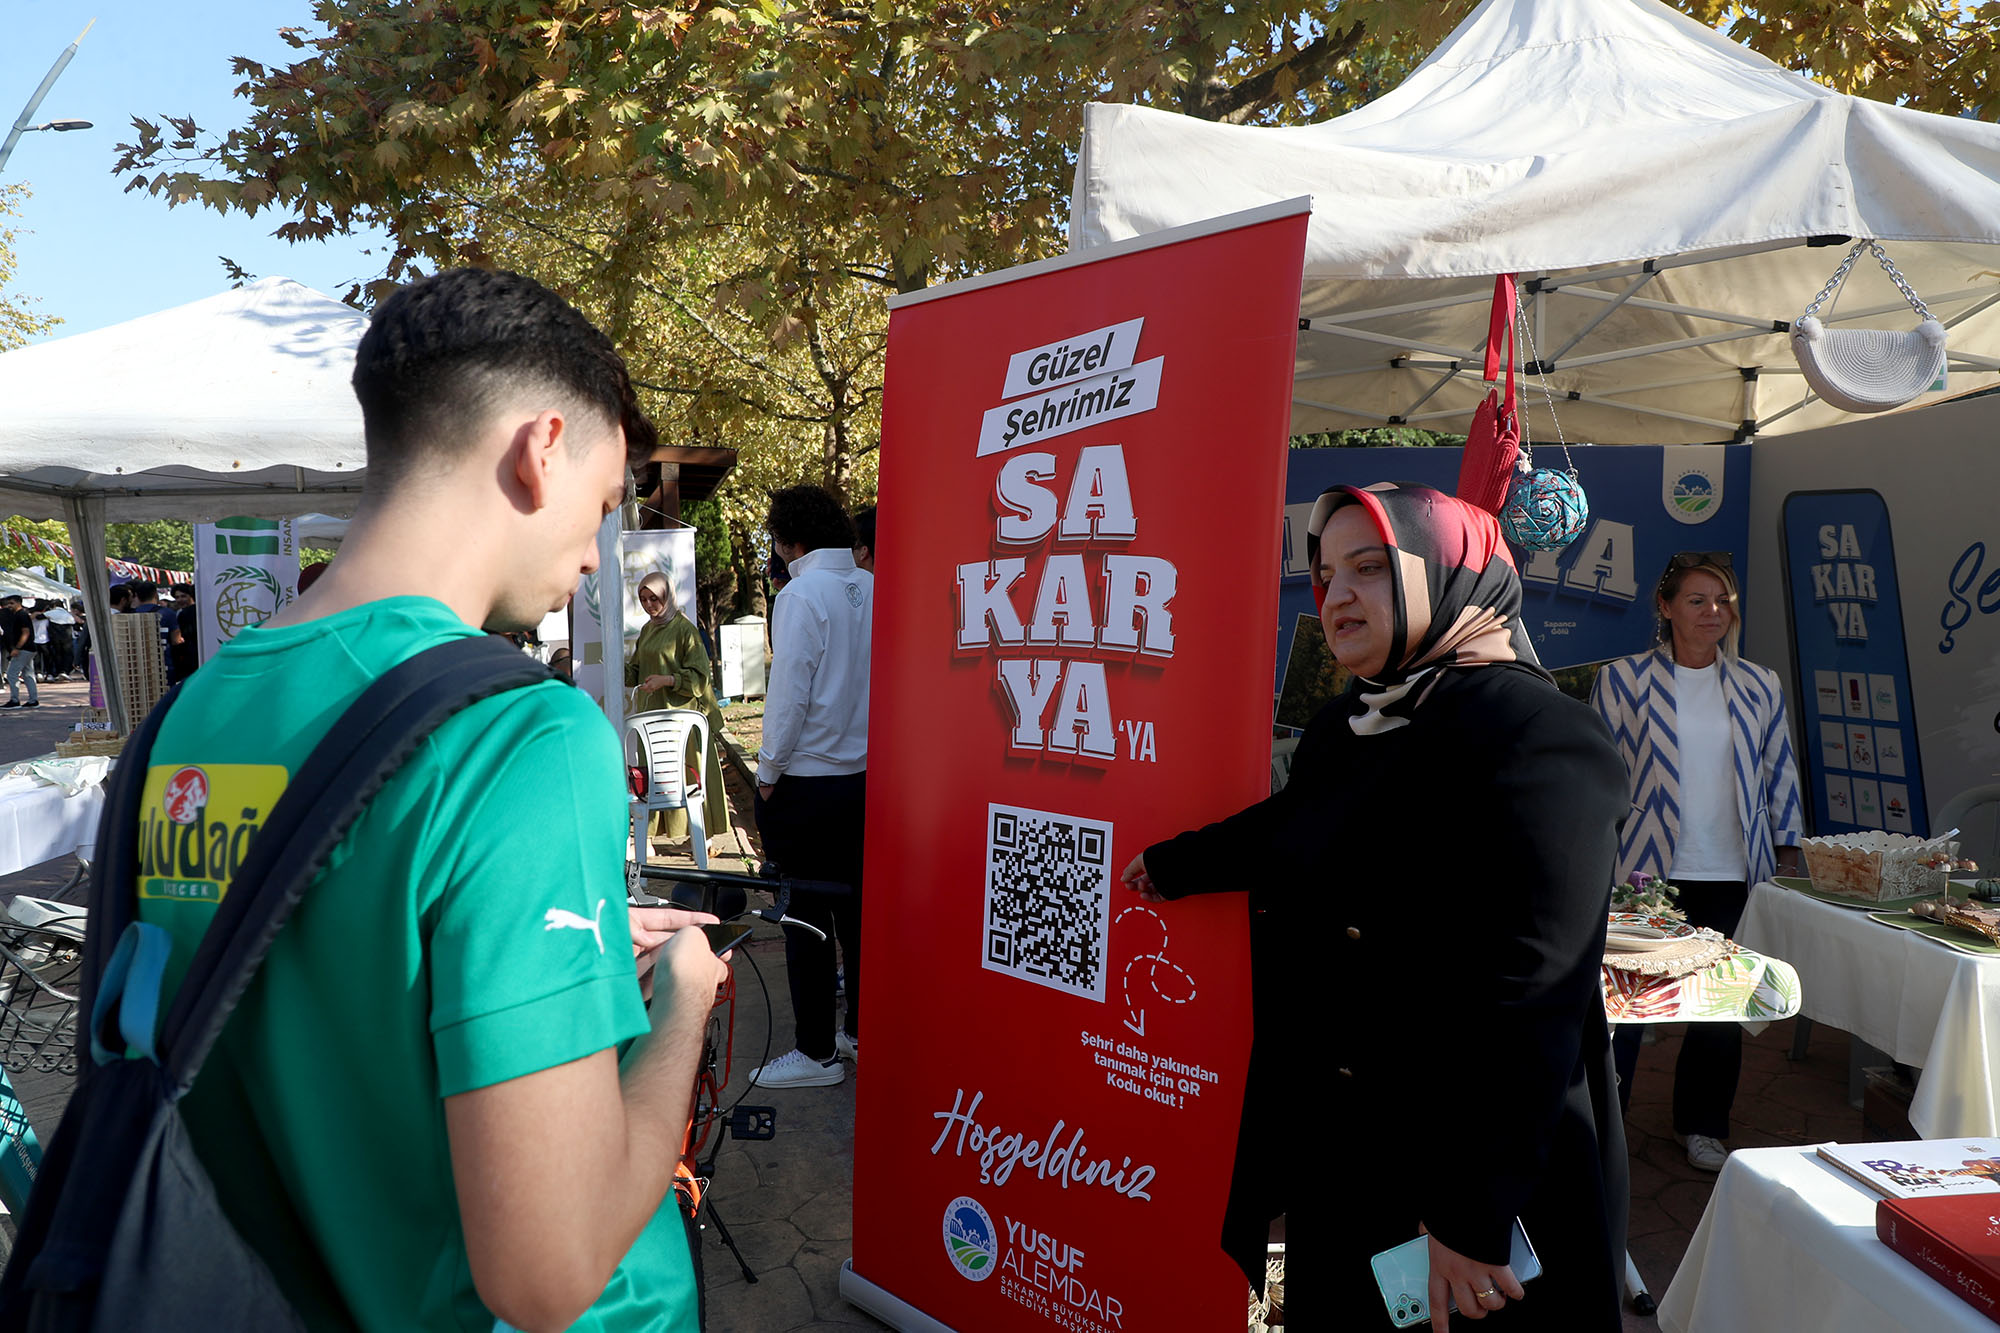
{"points": [[788, 1201], [1778, 1102]]}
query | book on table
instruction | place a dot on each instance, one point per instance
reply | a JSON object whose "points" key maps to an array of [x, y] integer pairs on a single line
{"points": [[1920, 1168], [1955, 1238]]}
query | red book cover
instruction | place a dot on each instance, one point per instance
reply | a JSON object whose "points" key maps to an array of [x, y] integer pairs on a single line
{"points": [[1954, 1237]]}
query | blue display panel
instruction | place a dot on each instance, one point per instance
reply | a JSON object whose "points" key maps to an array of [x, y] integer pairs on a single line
{"points": [[1857, 722], [1593, 600]]}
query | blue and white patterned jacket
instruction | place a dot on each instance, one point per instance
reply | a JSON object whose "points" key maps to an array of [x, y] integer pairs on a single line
{"points": [[1635, 697]]}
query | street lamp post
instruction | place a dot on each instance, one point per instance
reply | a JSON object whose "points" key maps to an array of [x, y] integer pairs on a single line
{"points": [[21, 125]]}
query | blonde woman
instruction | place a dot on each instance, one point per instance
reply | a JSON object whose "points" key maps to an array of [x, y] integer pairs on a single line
{"points": [[669, 668], [1715, 803]]}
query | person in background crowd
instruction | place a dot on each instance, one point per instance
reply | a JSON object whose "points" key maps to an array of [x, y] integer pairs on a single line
{"points": [[563, 663], [864, 539], [310, 574], [17, 639], [56, 652], [669, 669], [82, 638], [184, 648], [1715, 801], [146, 601], [812, 770], [121, 598], [39, 615], [1451, 730], [454, 1142]]}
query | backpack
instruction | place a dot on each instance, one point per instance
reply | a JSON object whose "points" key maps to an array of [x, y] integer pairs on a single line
{"points": [[123, 1217]]}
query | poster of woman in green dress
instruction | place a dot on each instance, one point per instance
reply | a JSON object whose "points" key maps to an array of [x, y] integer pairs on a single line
{"points": [[668, 668]]}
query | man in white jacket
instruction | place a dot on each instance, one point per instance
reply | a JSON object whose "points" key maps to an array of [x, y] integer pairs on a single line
{"points": [[812, 769]]}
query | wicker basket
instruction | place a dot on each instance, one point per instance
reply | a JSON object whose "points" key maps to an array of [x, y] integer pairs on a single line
{"points": [[1874, 866], [89, 743]]}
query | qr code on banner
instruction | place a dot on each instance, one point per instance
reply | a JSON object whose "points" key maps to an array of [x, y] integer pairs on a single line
{"points": [[1048, 898]]}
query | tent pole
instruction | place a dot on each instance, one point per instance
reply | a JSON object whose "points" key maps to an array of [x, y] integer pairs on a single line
{"points": [[1760, 322], [1964, 315], [1629, 353], [1384, 339], [85, 516], [1355, 412], [611, 616], [1946, 298], [1609, 310]]}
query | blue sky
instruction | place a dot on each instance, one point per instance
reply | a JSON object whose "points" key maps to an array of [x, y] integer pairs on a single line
{"points": [[94, 254]]}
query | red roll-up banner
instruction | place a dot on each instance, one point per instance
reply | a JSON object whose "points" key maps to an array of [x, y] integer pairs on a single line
{"points": [[1079, 528]]}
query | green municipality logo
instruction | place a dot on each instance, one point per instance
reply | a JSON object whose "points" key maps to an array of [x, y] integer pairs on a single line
{"points": [[1691, 478], [245, 595], [969, 1239], [1694, 494]]}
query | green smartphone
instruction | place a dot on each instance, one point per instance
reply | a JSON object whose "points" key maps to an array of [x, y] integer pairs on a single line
{"points": [[1404, 1275]]}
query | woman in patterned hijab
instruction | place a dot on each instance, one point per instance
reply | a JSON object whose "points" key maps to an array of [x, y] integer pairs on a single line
{"points": [[1454, 597], [1437, 1035]]}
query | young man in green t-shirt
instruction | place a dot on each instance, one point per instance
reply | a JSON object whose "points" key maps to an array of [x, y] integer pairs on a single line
{"points": [[418, 1113]]}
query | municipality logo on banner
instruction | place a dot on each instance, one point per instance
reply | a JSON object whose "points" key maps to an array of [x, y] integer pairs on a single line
{"points": [[1691, 481], [246, 570], [969, 1240]]}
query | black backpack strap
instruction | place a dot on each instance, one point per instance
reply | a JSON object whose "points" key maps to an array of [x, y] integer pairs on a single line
{"points": [[362, 751], [113, 903]]}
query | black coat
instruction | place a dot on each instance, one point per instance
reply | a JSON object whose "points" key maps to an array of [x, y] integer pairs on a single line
{"points": [[1427, 922]]}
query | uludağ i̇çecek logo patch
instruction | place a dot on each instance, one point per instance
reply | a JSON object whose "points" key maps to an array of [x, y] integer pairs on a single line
{"points": [[186, 795], [969, 1240]]}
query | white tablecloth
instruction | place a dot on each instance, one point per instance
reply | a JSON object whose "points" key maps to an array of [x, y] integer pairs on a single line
{"points": [[1921, 1002], [38, 823], [1788, 1243]]}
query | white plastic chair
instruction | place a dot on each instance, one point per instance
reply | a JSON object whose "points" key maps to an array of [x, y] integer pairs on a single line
{"points": [[657, 745]]}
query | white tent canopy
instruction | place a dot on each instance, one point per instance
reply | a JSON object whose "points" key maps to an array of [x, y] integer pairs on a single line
{"points": [[1671, 201], [39, 586], [238, 404], [320, 530]]}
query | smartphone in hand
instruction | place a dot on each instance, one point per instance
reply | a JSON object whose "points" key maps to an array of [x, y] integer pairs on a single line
{"points": [[1404, 1275], [726, 935]]}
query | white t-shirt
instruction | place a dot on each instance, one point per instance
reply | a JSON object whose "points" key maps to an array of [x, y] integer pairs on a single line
{"points": [[1710, 844]]}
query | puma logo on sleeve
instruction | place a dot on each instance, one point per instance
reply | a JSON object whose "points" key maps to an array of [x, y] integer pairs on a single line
{"points": [[557, 918]]}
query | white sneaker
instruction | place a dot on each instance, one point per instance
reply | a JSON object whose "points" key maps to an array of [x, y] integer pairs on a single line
{"points": [[796, 1069], [1705, 1153], [844, 1048]]}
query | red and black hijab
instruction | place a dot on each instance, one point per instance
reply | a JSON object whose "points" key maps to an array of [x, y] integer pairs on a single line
{"points": [[1457, 595]]}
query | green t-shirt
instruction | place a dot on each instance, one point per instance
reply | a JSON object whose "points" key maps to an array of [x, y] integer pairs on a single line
{"points": [[470, 929]]}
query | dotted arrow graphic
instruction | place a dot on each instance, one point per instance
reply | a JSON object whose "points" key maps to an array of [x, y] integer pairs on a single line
{"points": [[1158, 965]]}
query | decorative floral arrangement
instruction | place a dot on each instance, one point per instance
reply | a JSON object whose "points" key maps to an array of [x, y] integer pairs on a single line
{"points": [[1647, 895]]}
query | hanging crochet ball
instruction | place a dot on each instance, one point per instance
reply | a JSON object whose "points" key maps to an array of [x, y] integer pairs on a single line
{"points": [[1545, 510]]}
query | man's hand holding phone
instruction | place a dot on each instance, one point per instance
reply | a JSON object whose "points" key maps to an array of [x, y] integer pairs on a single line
{"points": [[670, 939]]}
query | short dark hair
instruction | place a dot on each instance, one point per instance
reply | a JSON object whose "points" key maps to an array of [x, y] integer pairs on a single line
{"points": [[183, 590], [145, 590], [864, 528], [121, 593], [439, 350], [809, 516]]}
